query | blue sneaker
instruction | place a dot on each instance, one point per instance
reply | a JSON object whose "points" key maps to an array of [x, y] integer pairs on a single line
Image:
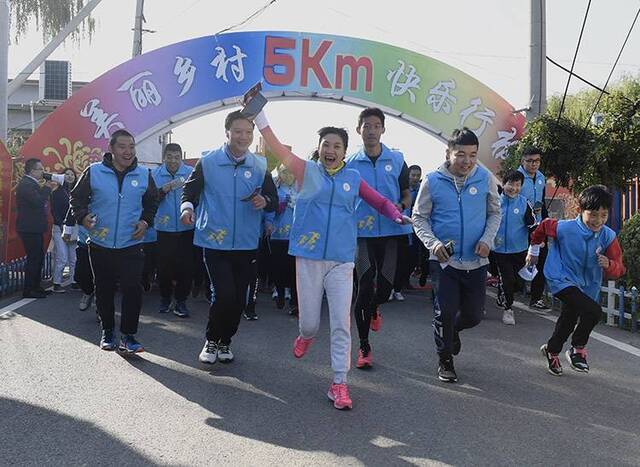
{"points": [[129, 345], [107, 340], [181, 310], [165, 305]]}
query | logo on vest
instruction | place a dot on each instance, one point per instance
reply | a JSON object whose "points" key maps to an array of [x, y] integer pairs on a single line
{"points": [[181, 179], [247, 174], [473, 190], [516, 211], [134, 182], [388, 168], [346, 187], [539, 182]]}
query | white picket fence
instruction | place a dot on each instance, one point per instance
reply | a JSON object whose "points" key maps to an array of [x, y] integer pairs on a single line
{"points": [[621, 304]]}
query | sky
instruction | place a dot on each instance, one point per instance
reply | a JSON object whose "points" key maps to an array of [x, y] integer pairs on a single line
{"points": [[488, 40]]}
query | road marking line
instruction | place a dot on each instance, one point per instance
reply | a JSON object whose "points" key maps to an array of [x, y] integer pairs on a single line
{"points": [[14, 306], [595, 335]]}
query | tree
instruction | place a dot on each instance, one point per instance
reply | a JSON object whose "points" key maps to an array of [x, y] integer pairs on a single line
{"points": [[578, 152], [50, 16], [630, 243]]}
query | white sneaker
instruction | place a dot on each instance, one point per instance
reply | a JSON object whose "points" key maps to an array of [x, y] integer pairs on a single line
{"points": [[508, 318], [224, 354], [209, 353], [398, 296], [287, 293], [391, 296], [274, 294]]}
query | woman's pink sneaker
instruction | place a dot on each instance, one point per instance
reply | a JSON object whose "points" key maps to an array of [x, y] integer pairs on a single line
{"points": [[300, 346], [339, 395]]}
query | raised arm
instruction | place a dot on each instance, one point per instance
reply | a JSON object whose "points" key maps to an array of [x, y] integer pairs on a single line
{"points": [[284, 155], [379, 202]]}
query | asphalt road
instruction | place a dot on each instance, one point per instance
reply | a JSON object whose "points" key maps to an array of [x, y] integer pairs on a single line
{"points": [[65, 402]]}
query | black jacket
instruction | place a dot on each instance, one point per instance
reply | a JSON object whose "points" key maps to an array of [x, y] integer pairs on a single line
{"points": [[31, 202]]}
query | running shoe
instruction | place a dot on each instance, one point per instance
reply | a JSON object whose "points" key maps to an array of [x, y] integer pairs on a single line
{"points": [[107, 340], [553, 361], [209, 353], [446, 371], [577, 357], [224, 353], [129, 345], [508, 318], [300, 346], [339, 395]]}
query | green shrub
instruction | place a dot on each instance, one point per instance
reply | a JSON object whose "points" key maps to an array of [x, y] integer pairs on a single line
{"points": [[630, 243]]}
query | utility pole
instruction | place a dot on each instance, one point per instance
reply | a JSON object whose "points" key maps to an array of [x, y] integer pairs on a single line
{"points": [[4, 68], [537, 59], [137, 28]]}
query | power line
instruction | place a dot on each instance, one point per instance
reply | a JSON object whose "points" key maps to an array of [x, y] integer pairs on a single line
{"points": [[610, 74], [255, 14], [573, 62]]}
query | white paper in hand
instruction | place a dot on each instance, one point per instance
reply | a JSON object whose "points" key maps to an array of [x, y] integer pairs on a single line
{"points": [[528, 273]]}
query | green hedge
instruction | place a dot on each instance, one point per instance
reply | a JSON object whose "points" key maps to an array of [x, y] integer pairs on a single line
{"points": [[630, 243]]}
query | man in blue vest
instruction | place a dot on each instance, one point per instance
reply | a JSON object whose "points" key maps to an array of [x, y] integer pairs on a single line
{"points": [[224, 197], [456, 216], [116, 201], [175, 240], [533, 189], [384, 170]]}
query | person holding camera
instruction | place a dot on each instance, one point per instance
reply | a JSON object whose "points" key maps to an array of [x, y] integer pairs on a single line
{"points": [[116, 201], [456, 216], [32, 198], [533, 189]]}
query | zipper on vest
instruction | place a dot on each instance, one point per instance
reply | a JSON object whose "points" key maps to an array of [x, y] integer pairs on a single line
{"points": [[233, 238], [506, 225], [175, 206], [115, 233], [326, 238], [461, 223]]}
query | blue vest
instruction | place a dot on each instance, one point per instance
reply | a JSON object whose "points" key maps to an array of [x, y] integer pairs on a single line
{"points": [[460, 217], [531, 190], [117, 211], [383, 177], [168, 215], [513, 234], [572, 259], [283, 221], [324, 219], [223, 220]]}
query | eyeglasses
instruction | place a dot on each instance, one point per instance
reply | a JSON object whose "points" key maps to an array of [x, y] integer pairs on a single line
{"points": [[532, 161]]}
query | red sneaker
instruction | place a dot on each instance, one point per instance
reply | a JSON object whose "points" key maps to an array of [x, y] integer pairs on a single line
{"points": [[376, 321], [300, 346], [364, 361], [339, 395]]}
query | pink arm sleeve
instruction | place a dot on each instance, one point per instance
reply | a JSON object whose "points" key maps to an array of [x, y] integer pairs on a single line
{"points": [[378, 202], [293, 162]]}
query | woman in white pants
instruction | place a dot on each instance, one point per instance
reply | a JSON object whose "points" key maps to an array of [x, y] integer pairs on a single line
{"points": [[64, 248], [323, 240]]}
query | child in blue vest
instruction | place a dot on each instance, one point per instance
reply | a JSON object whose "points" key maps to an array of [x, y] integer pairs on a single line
{"points": [[323, 240], [512, 239], [580, 251]]}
